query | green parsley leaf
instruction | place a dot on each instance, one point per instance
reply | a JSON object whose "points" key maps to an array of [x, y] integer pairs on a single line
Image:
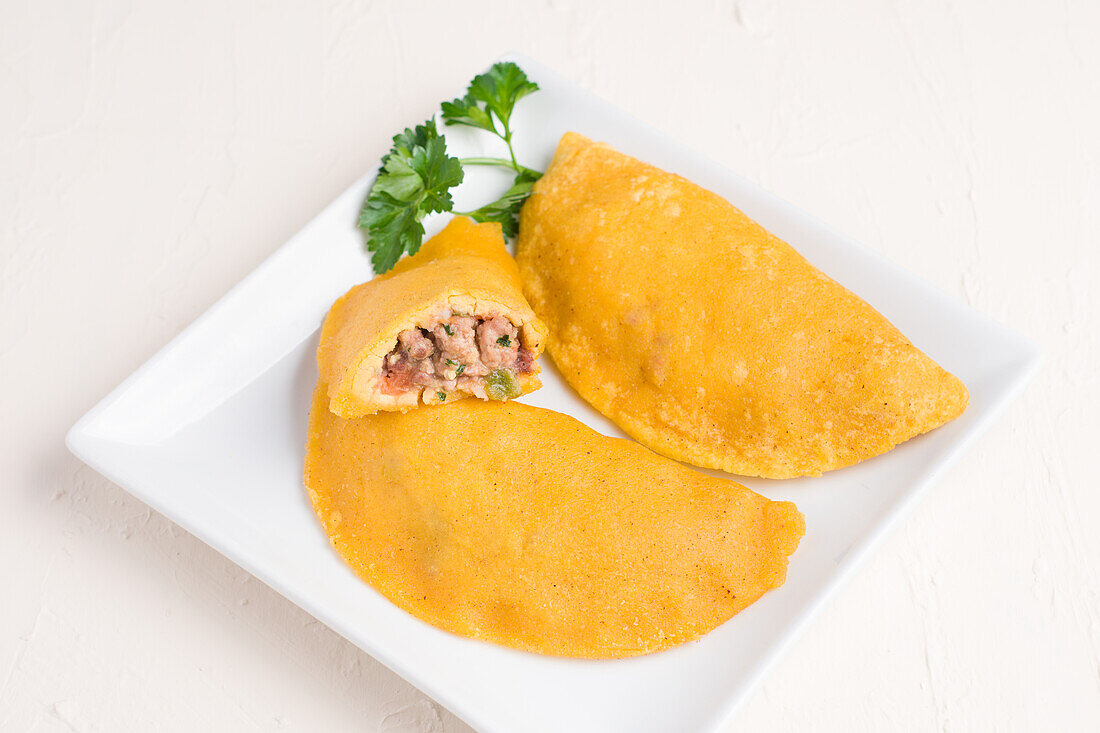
{"points": [[488, 104], [461, 368], [415, 180], [418, 136], [500, 88], [451, 362], [447, 329], [504, 341], [505, 210], [442, 396], [465, 111]]}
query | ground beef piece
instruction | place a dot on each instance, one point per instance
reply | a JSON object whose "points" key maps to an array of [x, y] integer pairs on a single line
{"points": [[498, 341], [525, 361], [458, 354], [397, 378], [415, 343]]}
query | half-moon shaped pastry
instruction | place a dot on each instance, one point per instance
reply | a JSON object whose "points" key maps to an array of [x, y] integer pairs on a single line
{"points": [[520, 526], [446, 323], [707, 338]]}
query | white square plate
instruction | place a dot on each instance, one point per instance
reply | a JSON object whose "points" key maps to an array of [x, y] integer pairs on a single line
{"points": [[210, 433]]}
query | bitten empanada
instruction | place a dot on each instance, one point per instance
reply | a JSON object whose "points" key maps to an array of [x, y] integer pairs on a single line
{"points": [[446, 323]]}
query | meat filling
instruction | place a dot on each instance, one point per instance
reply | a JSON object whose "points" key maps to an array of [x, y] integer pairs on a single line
{"points": [[481, 356]]}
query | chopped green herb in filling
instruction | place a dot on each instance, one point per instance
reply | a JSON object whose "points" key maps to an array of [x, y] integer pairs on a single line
{"points": [[442, 396], [504, 341], [448, 329]]}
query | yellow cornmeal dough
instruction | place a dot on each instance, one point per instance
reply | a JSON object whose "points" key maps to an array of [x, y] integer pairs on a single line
{"points": [[704, 336], [465, 268], [520, 526]]}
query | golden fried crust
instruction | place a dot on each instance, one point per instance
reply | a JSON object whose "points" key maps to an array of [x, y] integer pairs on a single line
{"points": [[521, 526], [464, 268], [704, 336]]}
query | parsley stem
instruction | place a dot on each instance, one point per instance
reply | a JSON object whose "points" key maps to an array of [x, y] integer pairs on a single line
{"points": [[488, 161], [507, 137], [503, 162]]}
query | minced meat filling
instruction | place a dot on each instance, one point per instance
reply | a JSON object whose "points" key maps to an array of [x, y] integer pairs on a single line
{"points": [[458, 353]]}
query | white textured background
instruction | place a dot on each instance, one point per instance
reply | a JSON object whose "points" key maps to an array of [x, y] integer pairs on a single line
{"points": [[151, 154]]}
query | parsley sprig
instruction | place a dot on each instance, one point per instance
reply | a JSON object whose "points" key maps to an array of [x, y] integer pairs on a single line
{"points": [[505, 210], [415, 180], [489, 101], [417, 174]]}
